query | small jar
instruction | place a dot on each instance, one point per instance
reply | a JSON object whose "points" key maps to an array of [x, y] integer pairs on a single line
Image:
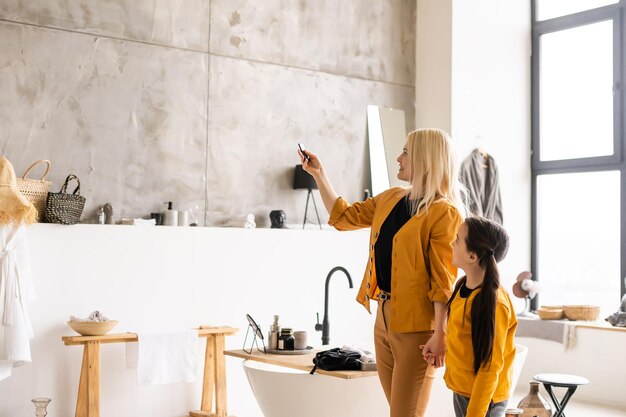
{"points": [[286, 341], [513, 412]]}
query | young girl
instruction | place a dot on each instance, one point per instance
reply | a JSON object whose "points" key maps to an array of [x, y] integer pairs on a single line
{"points": [[481, 323]]}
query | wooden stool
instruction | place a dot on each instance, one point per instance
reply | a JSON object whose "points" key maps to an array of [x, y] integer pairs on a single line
{"points": [[571, 382], [214, 376], [88, 402]]}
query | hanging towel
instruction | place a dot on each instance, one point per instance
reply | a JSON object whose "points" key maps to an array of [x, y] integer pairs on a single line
{"points": [[166, 357], [479, 174], [16, 291]]}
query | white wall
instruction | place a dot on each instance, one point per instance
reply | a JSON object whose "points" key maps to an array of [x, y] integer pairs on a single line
{"points": [[473, 80], [597, 355], [177, 277]]}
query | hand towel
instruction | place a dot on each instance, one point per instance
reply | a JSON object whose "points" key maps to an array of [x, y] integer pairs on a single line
{"points": [[166, 357], [367, 359]]}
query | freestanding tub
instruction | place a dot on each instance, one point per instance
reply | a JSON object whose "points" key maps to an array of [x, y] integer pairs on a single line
{"points": [[285, 392]]}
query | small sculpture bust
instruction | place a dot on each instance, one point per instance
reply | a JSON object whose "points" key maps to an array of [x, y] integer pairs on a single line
{"points": [[278, 219], [618, 318]]}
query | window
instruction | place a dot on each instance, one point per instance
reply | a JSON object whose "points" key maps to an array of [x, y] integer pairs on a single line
{"points": [[578, 165]]}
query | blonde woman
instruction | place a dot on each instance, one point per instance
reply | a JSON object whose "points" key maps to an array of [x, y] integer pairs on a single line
{"points": [[409, 270]]}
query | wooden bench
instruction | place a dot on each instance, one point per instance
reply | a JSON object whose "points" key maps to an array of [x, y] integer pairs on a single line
{"points": [[88, 402]]}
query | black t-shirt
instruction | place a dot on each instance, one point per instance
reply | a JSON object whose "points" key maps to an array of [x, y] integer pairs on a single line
{"points": [[464, 291], [384, 244]]}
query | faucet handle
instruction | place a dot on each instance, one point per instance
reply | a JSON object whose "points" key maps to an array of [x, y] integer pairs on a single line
{"points": [[318, 326]]}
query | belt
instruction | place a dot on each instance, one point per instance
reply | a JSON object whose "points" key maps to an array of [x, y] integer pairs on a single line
{"points": [[384, 296]]}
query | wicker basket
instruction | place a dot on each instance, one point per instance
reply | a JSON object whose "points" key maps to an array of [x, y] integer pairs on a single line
{"points": [[36, 191], [550, 312], [581, 312]]}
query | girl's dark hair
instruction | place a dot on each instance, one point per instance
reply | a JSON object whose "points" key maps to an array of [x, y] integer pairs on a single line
{"points": [[490, 242]]}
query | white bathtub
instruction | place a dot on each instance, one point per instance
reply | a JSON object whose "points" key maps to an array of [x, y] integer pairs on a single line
{"points": [[284, 392]]}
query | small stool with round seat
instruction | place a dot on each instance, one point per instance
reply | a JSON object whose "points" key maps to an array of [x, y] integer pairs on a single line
{"points": [[571, 382]]}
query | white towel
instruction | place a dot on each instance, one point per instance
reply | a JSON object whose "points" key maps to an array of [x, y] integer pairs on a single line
{"points": [[367, 359], [166, 357], [366, 355]]}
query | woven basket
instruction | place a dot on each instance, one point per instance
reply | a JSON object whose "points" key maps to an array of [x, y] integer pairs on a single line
{"points": [[63, 207], [36, 191], [550, 312], [581, 312]]}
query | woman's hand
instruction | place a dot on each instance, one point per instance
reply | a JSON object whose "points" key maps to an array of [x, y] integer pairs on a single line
{"points": [[313, 165], [434, 351]]}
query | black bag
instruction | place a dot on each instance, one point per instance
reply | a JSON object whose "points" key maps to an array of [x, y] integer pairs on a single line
{"points": [[65, 208], [337, 360]]}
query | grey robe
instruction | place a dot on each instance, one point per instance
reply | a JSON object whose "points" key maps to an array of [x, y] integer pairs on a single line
{"points": [[483, 185]]}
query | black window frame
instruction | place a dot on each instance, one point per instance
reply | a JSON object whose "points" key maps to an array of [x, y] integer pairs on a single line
{"points": [[615, 162]]}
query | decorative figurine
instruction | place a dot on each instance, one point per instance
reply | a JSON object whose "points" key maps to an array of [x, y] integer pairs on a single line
{"points": [[618, 319], [250, 224], [278, 219], [108, 210]]}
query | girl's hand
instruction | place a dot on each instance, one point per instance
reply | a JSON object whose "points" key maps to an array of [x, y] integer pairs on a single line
{"points": [[434, 351], [313, 165]]}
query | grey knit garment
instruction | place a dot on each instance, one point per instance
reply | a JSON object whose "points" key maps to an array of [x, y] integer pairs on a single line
{"points": [[480, 175]]}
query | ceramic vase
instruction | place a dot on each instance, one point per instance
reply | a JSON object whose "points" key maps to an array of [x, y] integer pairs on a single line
{"points": [[533, 404], [40, 406]]}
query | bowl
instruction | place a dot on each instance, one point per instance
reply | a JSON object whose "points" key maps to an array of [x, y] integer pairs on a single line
{"points": [[581, 312], [550, 313], [92, 328]]}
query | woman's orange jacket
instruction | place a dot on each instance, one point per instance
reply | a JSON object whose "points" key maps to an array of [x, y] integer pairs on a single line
{"points": [[422, 270]]}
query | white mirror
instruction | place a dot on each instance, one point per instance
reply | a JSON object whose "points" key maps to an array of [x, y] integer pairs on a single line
{"points": [[386, 129]]}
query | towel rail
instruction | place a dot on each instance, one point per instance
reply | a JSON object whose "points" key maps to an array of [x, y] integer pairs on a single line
{"points": [[214, 381]]}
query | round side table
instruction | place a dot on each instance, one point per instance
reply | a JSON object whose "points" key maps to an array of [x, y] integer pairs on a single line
{"points": [[571, 382]]}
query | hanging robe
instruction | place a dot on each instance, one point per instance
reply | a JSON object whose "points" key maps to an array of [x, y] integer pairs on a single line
{"points": [[480, 175], [16, 291]]}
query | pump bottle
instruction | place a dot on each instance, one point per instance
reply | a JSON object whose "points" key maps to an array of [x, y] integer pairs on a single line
{"points": [[170, 217], [273, 334]]}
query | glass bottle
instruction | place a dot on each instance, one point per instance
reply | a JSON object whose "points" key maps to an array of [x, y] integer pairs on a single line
{"points": [[40, 406], [101, 217], [533, 404], [286, 341], [274, 333]]}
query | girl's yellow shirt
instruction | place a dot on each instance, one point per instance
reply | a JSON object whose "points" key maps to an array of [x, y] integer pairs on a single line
{"points": [[422, 270], [493, 381]]}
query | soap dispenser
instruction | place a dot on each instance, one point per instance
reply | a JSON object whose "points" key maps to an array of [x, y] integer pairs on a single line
{"points": [[170, 217], [273, 334]]}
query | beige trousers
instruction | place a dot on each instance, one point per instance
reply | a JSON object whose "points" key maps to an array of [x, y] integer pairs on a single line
{"points": [[406, 378]]}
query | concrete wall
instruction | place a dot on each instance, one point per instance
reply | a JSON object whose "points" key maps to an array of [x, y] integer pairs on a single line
{"points": [[200, 102], [433, 72]]}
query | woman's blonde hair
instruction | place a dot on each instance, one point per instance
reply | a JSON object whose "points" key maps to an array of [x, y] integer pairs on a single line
{"points": [[434, 171]]}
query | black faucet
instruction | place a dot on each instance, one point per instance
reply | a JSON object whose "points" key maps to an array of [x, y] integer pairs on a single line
{"points": [[325, 327]]}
